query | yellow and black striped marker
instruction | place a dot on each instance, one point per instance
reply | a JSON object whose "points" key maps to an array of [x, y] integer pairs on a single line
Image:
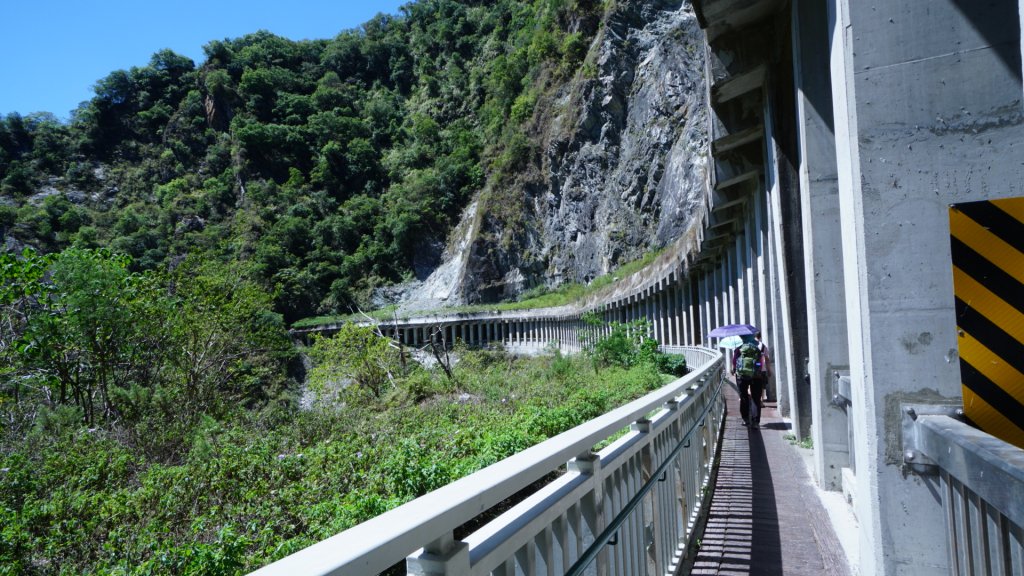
{"points": [[987, 241]]}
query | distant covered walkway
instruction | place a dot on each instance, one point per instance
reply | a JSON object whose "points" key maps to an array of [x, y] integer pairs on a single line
{"points": [[766, 517]]}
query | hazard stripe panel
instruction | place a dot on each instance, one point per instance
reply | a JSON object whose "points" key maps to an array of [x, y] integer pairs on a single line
{"points": [[987, 248]]}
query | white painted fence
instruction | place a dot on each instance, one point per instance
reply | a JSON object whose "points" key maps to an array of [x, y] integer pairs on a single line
{"points": [[628, 509]]}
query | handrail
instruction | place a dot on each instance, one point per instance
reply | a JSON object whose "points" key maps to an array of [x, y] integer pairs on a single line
{"points": [[657, 476], [981, 482], [378, 543], [989, 467]]}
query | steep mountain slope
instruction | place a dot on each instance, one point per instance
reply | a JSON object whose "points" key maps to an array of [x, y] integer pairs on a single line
{"points": [[615, 166], [470, 150]]}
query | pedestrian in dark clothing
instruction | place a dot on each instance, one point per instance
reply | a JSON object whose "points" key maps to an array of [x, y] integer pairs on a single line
{"points": [[745, 360]]}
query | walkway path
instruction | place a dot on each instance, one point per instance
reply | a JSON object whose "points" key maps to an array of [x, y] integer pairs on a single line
{"points": [[766, 518]]}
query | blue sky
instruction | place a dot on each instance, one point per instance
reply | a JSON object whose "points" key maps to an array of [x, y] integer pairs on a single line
{"points": [[52, 52]]}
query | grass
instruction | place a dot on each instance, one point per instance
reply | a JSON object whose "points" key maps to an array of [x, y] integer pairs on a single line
{"points": [[385, 313], [806, 443]]}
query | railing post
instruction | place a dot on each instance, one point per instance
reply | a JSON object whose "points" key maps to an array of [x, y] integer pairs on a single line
{"points": [[592, 505], [442, 557], [653, 530]]}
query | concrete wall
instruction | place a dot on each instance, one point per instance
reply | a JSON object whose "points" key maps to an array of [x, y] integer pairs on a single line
{"points": [[927, 105]]}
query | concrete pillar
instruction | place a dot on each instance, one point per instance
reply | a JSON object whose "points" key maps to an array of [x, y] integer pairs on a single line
{"points": [[780, 336], [654, 312], [658, 309], [729, 277], [750, 248], [721, 290], [822, 230], [681, 311], [668, 310], [776, 336], [672, 300], [712, 287], [701, 307], [686, 312], [725, 316], [705, 305], [740, 268], [660, 313], [922, 120]]}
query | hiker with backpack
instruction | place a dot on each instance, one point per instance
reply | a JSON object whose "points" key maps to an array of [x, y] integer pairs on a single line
{"points": [[749, 368]]}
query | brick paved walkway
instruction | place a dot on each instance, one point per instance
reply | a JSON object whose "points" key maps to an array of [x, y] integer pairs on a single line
{"points": [[766, 518]]}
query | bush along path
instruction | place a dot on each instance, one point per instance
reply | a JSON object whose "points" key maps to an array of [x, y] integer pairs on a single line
{"points": [[237, 482]]}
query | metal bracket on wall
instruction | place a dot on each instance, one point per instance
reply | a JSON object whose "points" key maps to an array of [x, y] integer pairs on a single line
{"points": [[841, 394], [913, 456]]}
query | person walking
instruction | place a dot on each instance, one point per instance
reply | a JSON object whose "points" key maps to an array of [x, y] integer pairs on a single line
{"points": [[745, 360], [764, 369]]}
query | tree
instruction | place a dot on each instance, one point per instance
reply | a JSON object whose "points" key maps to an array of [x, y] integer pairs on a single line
{"points": [[79, 325], [227, 347], [359, 354]]}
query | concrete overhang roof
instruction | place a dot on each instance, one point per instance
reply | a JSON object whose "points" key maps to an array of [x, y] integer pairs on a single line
{"points": [[718, 17]]}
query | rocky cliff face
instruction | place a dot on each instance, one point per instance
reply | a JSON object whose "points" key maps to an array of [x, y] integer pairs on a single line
{"points": [[619, 166]]}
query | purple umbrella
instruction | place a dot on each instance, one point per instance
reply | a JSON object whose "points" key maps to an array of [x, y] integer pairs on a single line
{"points": [[733, 330]]}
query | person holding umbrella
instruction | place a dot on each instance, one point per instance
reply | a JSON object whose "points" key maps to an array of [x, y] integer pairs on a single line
{"points": [[747, 363]]}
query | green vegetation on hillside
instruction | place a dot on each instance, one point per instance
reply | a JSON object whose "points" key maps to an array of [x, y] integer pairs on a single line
{"points": [[147, 425], [325, 168], [157, 245]]}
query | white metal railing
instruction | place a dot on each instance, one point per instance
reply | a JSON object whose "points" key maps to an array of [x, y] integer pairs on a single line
{"points": [[981, 481], [594, 509]]}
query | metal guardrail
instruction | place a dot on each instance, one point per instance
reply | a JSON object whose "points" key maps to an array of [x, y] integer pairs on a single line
{"points": [[982, 486], [551, 529]]}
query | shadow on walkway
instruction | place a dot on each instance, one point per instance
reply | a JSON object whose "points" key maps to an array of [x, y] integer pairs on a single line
{"points": [[765, 518]]}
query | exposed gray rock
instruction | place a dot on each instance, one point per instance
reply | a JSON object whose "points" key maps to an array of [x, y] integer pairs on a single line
{"points": [[620, 171]]}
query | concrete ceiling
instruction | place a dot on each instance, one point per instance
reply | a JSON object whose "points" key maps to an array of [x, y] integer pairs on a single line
{"points": [[719, 17]]}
